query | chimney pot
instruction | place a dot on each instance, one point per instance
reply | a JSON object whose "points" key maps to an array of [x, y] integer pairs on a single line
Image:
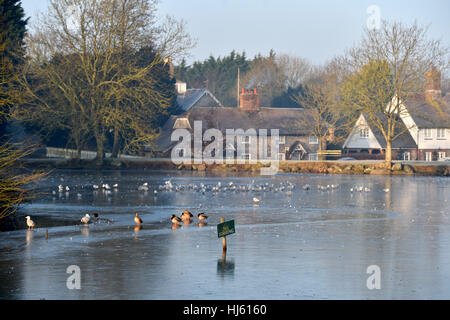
{"points": [[433, 82]]}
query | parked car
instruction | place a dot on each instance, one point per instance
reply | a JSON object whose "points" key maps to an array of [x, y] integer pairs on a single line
{"points": [[346, 159], [444, 159]]}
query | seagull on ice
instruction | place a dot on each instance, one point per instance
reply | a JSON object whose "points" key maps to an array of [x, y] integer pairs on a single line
{"points": [[95, 187], [67, 189], [116, 186], [256, 200], [386, 190], [30, 223], [60, 188], [144, 187], [137, 219], [86, 219]]}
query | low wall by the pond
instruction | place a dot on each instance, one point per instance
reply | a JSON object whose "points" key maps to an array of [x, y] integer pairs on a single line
{"points": [[321, 167]]}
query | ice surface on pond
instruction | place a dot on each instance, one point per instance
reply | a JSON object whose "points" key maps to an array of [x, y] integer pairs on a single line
{"points": [[308, 237]]}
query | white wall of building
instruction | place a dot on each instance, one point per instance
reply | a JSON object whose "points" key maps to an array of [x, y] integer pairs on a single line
{"points": [[356, 141], [434, 142]]}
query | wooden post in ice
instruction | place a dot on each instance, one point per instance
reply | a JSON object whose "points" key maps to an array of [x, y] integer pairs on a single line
{"points": [[46, 234], [224, 239]]}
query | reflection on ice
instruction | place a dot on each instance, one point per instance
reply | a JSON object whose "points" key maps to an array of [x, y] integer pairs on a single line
{"points": [[225, 268], [304, 240], [85, 230]]}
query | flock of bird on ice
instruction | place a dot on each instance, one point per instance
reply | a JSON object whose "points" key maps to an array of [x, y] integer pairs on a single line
{"points": [[186, 217]]}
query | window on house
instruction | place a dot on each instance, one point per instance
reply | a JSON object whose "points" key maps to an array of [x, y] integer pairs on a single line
{"points": [[406, 156], [441, 133], [428, 156], [281, 156], [245, 139], [364, 132], [313, 156], [282, 139], [245, 156], [428, 134], [441, 155], [313, 140]]}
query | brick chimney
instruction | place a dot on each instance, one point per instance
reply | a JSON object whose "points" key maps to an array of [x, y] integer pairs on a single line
{"points": [[249, 100], [433, 83]]}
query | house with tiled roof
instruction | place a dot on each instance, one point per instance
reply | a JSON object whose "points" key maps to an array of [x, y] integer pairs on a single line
{"points": [[188, 98], [368, 142], [425, 128], [295, 139]]}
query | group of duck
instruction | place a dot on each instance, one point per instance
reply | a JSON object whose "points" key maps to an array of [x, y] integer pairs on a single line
{"points": [[186, 217]]}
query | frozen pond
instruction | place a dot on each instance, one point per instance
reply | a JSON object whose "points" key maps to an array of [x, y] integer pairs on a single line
{"points": [[302, 244]]}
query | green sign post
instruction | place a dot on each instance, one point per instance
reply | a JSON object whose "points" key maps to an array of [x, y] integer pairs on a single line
{"points": [[225, 228]]}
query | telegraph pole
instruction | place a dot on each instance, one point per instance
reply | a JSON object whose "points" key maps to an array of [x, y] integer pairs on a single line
{"points": [[238, 87]]}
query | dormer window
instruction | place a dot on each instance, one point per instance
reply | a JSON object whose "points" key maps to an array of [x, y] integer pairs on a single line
{"points": [[441, 133], [428, 134], [364, 132]]}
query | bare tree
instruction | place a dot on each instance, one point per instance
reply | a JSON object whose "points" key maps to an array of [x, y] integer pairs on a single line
{"points": [[296, 70], [102, 89], [406, 53], [322, 98]]}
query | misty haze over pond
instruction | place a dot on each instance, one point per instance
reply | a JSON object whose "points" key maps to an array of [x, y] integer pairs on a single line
{"points": [[307, 245]]}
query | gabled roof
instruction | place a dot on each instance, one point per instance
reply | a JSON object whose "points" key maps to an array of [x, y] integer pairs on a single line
{"points": [[428, 113], [404, 141], [197, 97]]}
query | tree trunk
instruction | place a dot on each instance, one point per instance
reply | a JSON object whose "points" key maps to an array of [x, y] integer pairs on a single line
{"points": [[100, 141], [388, 156], [319, 151], [79, 148], [115, 149]]}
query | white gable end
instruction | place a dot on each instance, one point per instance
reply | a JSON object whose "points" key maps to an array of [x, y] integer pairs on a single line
{"points": [[355, 140]]}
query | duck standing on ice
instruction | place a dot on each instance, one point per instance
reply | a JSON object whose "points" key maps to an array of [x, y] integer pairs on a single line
{"points": [[137, 219]]}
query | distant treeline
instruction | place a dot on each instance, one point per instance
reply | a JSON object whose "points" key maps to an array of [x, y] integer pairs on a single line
{"points": [[277, 78]]}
